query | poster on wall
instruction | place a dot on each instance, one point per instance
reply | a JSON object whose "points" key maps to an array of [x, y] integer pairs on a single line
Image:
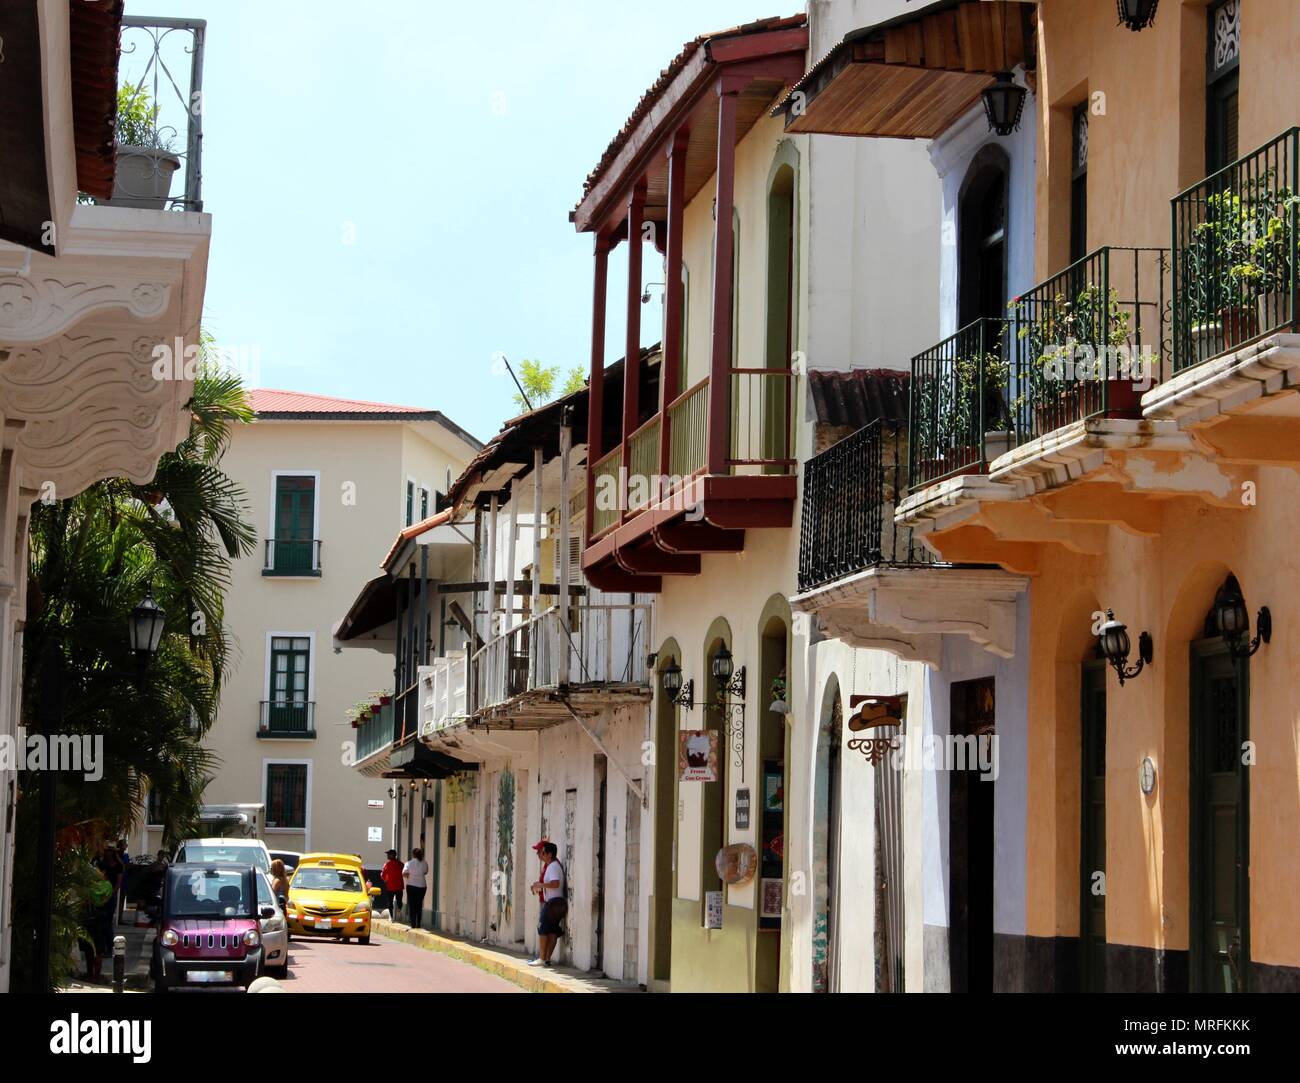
{"points": [[773, 791], [374, 834], [713, 909], [770, 897], [697, 756]]}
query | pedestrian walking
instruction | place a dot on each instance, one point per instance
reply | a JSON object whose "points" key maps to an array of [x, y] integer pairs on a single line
{"points": [[279, 879], [549, 888], [391, 875], [416, 876]]}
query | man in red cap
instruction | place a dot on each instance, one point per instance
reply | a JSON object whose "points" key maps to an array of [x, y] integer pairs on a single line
{"points": [[391, 875]]}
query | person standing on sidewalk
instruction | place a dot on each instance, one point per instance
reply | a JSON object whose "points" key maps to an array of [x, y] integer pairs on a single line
{"points": [[550, 890], [416, 875], [391, 875]]}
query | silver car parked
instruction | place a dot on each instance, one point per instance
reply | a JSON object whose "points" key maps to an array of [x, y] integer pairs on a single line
{"points": [[275, 932]]}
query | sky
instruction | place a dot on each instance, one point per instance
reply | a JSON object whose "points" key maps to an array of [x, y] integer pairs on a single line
{"points": [[390, 184]]}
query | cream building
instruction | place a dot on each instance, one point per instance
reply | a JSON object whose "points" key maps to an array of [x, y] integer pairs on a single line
{"points": [[329, 481]]}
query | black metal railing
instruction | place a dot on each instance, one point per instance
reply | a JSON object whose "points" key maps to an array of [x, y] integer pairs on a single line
{"points": [[292, 556], [1089, 340], [1235, 241], [286, 718], [160, 113], [958, 399], [849, 493]]}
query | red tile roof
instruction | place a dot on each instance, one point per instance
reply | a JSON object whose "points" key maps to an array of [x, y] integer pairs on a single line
{"points": [[678, 62], [414, 531], [266, 400]]}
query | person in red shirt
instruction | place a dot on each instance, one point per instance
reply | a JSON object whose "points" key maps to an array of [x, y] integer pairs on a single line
{"points": [[391, 874]]}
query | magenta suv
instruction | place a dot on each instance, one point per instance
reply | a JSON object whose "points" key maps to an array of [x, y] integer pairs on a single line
{"points": [[208, 928]]}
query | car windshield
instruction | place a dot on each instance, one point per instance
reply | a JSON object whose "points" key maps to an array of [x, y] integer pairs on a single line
{"points": [[202, 853], [198, 893], [265, 896], [318, 878]]}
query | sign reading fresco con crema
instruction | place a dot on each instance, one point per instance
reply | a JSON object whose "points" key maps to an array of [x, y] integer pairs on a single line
{"points": [[697, 756]]}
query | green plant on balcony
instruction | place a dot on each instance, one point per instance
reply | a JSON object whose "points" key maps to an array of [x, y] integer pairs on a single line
{"points": [[137, 119], [1068, 340], [1237, 266]]}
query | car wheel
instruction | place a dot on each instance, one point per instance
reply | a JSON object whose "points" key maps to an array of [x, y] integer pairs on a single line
{"points": [[160, 986], [364, 939]]}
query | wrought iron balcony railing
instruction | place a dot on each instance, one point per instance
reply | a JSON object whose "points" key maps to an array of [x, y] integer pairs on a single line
{"points": [[292, 556], [849, 493], [958, 394], [160, 113], [287, 718], [1235, 252], [1089, 340]]}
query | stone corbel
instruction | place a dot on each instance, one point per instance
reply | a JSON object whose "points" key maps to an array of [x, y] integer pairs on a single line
{"points": [[91, 408], [39, 307]]}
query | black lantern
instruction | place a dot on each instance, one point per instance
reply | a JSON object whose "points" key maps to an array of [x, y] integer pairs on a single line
{"points": [[731, 679], [1114, 644], [679, 692], [147, 621], [1137, 14], [1004, 101], [1233, 622]]}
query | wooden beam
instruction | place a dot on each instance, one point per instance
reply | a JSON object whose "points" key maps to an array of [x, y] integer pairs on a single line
{"points": [[632, 343], [719, 424], [674, 300], [596, 384]]}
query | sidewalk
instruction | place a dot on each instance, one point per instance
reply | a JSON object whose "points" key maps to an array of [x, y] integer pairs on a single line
{"points": [[139, 949], [511, 965]]}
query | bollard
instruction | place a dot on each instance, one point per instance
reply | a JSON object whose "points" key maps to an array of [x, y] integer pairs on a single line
{"points": [[119, 963]]}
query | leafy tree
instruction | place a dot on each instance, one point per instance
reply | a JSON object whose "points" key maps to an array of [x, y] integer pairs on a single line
{"points": [[92, 557], [538, 381]]}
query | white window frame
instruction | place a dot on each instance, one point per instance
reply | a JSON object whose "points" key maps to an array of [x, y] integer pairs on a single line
{"points": [[315, 510], [311, 670], [305, 830], [414, 488]]}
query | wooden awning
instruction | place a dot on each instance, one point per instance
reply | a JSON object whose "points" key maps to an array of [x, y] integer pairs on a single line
{"points": [[914, 76]]}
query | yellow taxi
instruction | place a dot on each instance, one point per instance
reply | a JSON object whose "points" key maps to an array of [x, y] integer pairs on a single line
{"points": [[328, 896]]}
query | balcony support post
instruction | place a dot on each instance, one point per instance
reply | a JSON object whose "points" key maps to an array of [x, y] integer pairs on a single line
{"points": [[535, 608], [632, 345], [422, 646], [728, 89], [674, 297], [596, 382], [494, 527], [509, 619], [566, 441]]}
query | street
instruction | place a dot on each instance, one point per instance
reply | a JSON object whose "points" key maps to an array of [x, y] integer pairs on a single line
{"points": [[382, 966]]}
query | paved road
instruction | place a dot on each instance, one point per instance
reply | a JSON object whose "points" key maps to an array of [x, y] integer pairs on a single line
{"points": [[382, 966]]}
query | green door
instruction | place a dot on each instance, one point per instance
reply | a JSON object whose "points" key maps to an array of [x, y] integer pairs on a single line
{"points": [[289, 710], [295, 507], [1092, 845], [1220, 861]]}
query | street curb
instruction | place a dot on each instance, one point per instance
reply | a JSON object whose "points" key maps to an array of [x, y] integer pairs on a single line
{"points": [[494, 963]]}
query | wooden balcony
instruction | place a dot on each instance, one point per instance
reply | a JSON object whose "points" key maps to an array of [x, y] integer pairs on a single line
{"points": [[658, 515]]}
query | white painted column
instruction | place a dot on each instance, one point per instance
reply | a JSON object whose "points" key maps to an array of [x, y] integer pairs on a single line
{"points": [[566, 439], [513, 518]]}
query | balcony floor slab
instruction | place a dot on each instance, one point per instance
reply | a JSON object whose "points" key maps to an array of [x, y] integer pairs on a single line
{"points": [[907, 609]]}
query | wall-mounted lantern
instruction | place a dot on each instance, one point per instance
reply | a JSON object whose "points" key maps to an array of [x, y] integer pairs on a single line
{"points": [[732, 680], [682, 694], [1004, 101], [1137, 14], [1114, 643], [1233, 622], [732, 686]]}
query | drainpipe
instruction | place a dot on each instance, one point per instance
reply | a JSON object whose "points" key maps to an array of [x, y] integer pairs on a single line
{"points": [[435, 863]]}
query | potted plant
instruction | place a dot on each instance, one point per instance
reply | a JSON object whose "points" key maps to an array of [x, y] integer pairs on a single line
{"points": [[145, 161], [779, 704]]}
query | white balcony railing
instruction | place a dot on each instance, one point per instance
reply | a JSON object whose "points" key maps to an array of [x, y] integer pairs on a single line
{"points": [[604, 644], [443, 692]]}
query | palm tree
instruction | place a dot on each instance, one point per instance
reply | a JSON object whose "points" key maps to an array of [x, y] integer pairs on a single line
{"points": [[93, 557]]}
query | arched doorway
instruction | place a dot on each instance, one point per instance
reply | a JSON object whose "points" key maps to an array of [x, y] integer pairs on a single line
{"points": [[1092, 827], [1220, 813], [982, 238], [664, 887], [774, 784], [782, 216], [825, 850]]}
